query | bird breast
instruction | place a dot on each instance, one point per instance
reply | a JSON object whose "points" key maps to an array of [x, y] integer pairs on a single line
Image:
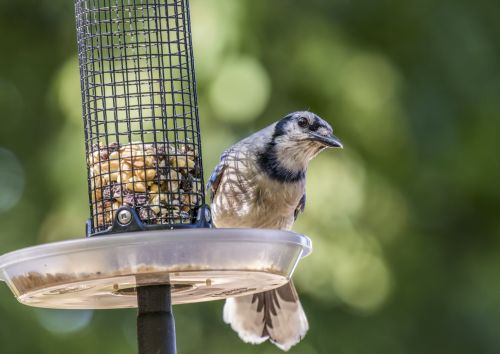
{"points": [[246, 197]]}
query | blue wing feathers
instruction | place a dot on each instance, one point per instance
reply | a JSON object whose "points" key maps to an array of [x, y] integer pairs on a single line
{"points": [[300, 208], [214, 180]]}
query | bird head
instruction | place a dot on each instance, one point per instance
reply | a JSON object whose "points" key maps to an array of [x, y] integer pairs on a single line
{"points": [[303, 135], [306, 129], [297, 138]]}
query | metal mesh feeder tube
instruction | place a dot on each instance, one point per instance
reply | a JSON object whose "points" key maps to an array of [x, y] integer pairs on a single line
{"points": [[140, 112], [141, 129]]}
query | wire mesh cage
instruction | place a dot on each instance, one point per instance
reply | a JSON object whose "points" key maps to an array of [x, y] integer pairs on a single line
{"points": [[140, 111]]}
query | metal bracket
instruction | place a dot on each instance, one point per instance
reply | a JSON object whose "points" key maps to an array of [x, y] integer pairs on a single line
{"points": [[127, 220]]}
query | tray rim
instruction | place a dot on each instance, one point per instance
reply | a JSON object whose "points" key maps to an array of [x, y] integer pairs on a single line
{"points": [[134, 238]]}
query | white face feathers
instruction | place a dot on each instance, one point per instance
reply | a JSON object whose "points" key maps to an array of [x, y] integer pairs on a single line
{"points": [[297, 139]]}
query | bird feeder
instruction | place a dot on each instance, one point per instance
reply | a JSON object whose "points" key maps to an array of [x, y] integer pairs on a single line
{"points": [[149, 242]]}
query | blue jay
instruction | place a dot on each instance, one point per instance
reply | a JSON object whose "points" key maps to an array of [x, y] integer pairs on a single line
{"points": [[260, 183]]}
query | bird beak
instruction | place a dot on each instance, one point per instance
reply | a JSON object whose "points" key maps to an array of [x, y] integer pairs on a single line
{"points": [[329, 141]]}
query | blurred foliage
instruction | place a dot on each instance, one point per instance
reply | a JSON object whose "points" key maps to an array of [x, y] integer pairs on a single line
{"points": [[405, 220]]}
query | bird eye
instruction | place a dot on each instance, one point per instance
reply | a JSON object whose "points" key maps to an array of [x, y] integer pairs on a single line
{"points": [[303, 122]]}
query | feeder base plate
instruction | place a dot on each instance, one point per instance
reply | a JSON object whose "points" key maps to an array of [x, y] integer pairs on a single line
{"points": [[199, 264]]}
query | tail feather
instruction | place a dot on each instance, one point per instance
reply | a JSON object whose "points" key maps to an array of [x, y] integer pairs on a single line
{"points": [[276, 315]]}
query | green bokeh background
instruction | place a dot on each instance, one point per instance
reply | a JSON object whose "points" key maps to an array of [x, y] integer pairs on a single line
{"points": [[405, 220]]}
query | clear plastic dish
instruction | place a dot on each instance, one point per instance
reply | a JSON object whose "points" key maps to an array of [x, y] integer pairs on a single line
{"points": [[200, 264]]}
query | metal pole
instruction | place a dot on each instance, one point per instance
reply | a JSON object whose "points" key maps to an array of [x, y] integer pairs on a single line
{"points": [[155, 320]]}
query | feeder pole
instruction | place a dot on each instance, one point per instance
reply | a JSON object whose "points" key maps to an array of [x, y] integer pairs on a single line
{"points": [[155, 320]]}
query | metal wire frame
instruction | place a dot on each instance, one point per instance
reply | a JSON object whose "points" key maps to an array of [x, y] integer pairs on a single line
{"points": [[140, 111]]}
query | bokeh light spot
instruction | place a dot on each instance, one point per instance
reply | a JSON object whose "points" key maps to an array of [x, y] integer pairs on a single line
{"points": [[11, 180], [241, 91], [347, 265], [63, 321], [215, 27], [67, 85], [363, 281], [369, 81], [335, 180]]}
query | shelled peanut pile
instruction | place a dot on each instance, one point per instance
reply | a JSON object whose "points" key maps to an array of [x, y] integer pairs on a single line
{"points": [[162, 182]]}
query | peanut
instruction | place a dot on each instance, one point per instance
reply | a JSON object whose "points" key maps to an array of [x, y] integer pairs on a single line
{"points": [[181, 162], [114, 165], [136, 186], [146, 175], [115, 155], [138, 161]]}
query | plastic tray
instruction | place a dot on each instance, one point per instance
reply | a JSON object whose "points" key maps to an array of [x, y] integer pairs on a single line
{"points": [[200, 264]]}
